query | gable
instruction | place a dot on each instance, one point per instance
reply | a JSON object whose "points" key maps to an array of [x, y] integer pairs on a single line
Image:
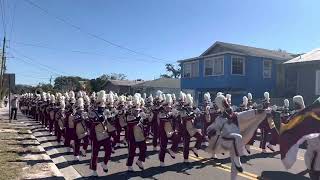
{"points": [[217, 48]]}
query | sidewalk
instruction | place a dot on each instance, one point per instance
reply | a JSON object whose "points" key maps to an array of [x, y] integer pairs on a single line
{"points": [[21, 155]]}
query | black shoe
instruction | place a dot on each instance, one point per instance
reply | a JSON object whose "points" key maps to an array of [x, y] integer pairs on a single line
{"points": [[141, 168], [239, 169], [105, 170], [248, 151], [195, 153], [271, 149]]}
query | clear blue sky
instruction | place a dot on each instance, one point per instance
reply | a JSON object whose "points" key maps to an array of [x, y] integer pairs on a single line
{"points": [[166, 29]]}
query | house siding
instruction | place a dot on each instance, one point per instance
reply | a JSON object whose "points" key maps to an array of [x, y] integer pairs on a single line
{"points": [[252, 81], [305, 78]]}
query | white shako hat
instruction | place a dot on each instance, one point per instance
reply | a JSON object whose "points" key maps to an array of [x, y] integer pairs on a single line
{"points": [[80, 103], [129, 98], [142, 102], [158, 94], [53, 99], [48, 97], [249, 96], [286, 103], [182, 96], [38, 97], [110, 99], [219, 93], [168, 102], [72, 97], [266, 97], [62, 103], [101, 98], [228, 96], [136, 100], [189, 100], [44, 96], [207, 97], [298, 99], [150, 99], [220, 101], [122, 99], [86, 99], [245, 101], [79, 94], [173, 96], [93, 96], [66, 95]]}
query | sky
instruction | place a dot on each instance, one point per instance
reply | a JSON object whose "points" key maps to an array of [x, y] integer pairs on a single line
{"points": [[89, 38]]}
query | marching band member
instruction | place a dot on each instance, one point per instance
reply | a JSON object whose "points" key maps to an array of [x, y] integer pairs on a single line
{"points": [[207, 115], [312, 154], [267, 126], [87, 102], [166, 131], [56, 109], [250, 101], [61, 119], [47, 110], [286, 112], [43, 108], [99, 134], [228, 96], [110, 113], [244, 105], [226, 126], [81, 131], [121, 121], [69, 128], [188, 129], [154, 127], [136, 135]]}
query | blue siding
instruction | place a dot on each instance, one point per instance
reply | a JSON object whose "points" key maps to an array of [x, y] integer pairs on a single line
{"points": [[252, 81]]}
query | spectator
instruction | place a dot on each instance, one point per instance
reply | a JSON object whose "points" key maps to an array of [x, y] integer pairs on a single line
{"points": [[14, 107], [6, 101]]}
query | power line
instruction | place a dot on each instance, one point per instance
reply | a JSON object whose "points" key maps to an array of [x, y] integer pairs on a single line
{"points": [[79, 51], [13, 18], [58, 72], [35, 64], [92, 34]]}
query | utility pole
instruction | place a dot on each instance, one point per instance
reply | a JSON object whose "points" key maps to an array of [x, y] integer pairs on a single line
{"points": [[50, 79], [3, 61]]}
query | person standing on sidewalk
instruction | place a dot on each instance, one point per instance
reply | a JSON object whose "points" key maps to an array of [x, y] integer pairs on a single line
{"points": [[14, 107]]}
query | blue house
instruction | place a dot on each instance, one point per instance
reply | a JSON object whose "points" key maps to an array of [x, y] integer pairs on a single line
{"points": [[234, 69]]}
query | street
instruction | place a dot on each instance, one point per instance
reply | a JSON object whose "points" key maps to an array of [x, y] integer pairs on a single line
{"points": [[257, 165]]}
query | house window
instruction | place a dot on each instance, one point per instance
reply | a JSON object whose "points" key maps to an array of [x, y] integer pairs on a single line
{"points": [[318, 82], [267, 68], [191, 69], [213, 66], [237, 65]]}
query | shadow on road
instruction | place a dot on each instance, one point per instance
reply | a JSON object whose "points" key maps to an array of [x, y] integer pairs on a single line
{"points": [[150, 172], [274, 175]]}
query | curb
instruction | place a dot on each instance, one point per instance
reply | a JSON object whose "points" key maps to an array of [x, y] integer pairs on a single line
{"points": [[70, 173]]}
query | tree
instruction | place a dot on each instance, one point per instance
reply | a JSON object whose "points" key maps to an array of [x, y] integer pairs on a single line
{"points": [[174, 72], [68, 83], [22, 88], [99, 83]]}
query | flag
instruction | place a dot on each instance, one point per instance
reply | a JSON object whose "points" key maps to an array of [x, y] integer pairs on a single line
{"points": [[302, 126]]}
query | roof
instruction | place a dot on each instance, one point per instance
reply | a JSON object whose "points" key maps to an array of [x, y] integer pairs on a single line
{"points": [[125, 82], [247, 50], [161, 83], [313, 55]]}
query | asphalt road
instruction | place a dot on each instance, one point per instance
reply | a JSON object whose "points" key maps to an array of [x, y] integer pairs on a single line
{"points": [[256, 166]]}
